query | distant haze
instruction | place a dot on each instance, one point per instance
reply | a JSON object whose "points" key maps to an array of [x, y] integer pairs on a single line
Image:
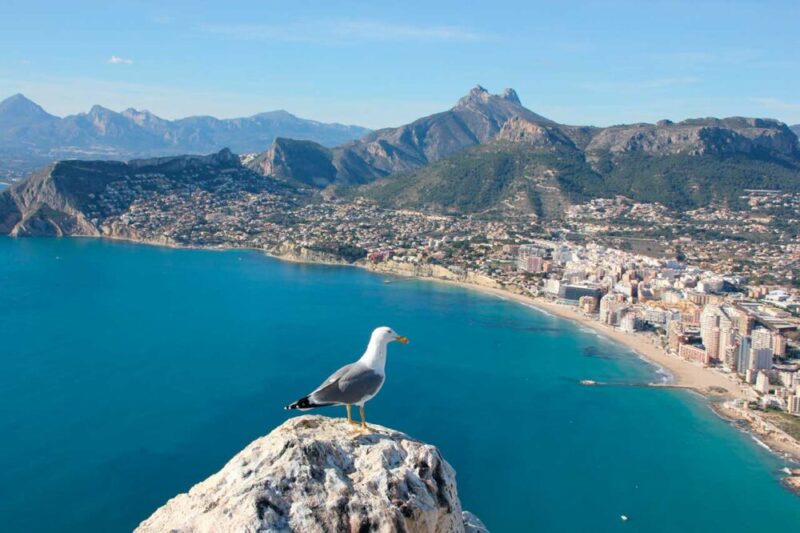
{"points": [[31, 137]]}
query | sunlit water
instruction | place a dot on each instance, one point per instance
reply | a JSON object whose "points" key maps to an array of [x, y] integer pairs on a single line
{"points": [[129, 373]]}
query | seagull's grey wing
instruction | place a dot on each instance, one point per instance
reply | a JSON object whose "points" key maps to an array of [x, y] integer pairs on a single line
{"points": [[333, 378], [350, 384]]}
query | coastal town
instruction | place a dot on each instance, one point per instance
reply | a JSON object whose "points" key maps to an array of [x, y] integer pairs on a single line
{"points": [[710, 295], [720, 319]]}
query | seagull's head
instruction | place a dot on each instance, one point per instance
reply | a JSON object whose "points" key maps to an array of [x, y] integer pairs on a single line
{"points": [[385, 335]]}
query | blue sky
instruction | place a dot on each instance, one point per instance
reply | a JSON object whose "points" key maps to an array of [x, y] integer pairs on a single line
{"points": [[381, 64]]}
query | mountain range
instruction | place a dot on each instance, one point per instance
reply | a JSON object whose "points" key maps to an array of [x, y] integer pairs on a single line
{"points": [[475, 119], [491, 153], [487, 155], [31, 137]]}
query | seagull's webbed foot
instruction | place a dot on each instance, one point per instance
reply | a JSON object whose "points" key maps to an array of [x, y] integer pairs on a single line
{"points": [[363, 428], [349, 416]]}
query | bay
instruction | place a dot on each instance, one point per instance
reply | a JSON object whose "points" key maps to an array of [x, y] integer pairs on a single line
{"points": [[128, 373]]}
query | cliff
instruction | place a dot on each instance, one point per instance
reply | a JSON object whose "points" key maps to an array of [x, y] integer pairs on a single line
{"points": [[313, 473], [94, 198], [728, 136], [431, 271]]}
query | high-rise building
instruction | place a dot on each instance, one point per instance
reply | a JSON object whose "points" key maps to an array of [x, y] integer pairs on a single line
{"points": [[793, 404], [674, 336], [709, 330], [762, 382], [628, 322], [712, 344], [693, 353], [762, 338], [743, 353], [761, 358], [778, 344], [729, 357]]}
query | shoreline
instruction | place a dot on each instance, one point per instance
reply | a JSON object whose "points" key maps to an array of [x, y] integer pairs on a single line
{"points": [[682, 374], [708, 383]]}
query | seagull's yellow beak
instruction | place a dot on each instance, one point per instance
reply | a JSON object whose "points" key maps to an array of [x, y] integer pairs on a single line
{"points": [[401, 340]]}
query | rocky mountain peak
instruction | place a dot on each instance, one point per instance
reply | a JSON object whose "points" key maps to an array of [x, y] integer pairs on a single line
{"points": [[510, 95], [480, 95], [476, 95], [313, 474], [97, 110], [20, 108], [16, 100]]}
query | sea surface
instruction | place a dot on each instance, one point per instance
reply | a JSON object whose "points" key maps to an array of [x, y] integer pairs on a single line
{"points": [[128, 373]]}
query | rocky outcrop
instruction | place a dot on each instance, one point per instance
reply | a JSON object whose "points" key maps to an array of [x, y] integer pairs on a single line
{"points": [[77, 197], [475, 119], [520, 130], [727, 136], [314, 474], [302, 254], [300, 162], [418, 270], [44, 205]]}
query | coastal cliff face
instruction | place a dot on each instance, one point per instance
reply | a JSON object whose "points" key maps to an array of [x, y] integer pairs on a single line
{"points": [[431, 271], [303, 254], [100, 198], [313, 474]]}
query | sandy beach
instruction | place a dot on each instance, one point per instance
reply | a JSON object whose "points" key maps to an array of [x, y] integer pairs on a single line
{"points": [[707, 382], [684, 374]]}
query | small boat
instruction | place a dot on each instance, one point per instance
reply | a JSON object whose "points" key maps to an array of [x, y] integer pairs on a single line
{"points": [[387, 281], [588, 382], [623, 517]]}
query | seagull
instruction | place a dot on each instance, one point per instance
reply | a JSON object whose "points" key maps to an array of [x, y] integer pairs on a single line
{"points": [[356, 383]]}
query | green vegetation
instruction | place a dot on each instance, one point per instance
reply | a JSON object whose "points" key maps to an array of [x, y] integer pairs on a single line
{"points": [[788, 423], [348, 252], [689, 181], [501, 175], [472, 181]]}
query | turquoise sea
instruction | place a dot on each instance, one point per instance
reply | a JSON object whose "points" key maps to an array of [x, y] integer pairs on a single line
{"points": [[129, 373]]}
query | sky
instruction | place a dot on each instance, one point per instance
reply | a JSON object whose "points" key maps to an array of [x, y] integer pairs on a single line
{"points": [[386, 63]]}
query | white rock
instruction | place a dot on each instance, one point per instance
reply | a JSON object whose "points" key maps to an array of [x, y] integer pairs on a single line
{"points": [[312, 474]]}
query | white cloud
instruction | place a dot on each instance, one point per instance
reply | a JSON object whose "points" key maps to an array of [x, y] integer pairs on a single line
{"points": [[342, 32], [116, 60]]}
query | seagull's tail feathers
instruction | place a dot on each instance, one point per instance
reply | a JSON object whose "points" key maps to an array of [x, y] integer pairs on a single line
{"points": [[305, 403]]}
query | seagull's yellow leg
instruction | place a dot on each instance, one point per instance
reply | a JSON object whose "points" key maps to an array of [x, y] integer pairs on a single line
{"points": [[363, 418], [349, 416]]}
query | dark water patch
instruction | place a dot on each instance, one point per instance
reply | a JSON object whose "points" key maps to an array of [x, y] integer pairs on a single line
{"points": [[596, 352]]}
